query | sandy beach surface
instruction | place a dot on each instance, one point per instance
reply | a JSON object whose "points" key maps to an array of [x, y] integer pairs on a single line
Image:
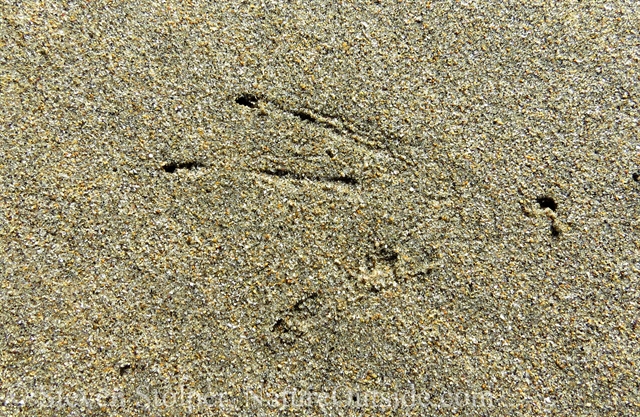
{"points": [[319, 208]]}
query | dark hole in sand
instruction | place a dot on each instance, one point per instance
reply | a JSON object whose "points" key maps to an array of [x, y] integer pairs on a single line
{"points": [[389, 255], [124, 369], [547, 202], [636, 176], [248, 100], [555, 230]]}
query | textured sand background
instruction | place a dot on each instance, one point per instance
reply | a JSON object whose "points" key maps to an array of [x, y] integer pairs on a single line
{"points": [[207, 207]]}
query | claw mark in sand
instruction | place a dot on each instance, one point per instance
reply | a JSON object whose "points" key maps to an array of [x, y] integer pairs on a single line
{"points": [[171, 167], [344, 179], [335, 124]]}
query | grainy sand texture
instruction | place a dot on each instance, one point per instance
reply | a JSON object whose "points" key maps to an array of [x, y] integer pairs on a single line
{"points": [[346, 208]]}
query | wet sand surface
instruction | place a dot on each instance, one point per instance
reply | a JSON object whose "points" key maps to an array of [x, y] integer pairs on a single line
{"points": [[301, 208]]}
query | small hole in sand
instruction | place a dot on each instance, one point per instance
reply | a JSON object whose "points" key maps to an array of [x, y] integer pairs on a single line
{"points": [[170, 168], [547, 202], [124, 369], [388, 255], [248, 100]]}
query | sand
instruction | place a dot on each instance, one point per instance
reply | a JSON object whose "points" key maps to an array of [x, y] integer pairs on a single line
{"points": [[317, 208]]}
